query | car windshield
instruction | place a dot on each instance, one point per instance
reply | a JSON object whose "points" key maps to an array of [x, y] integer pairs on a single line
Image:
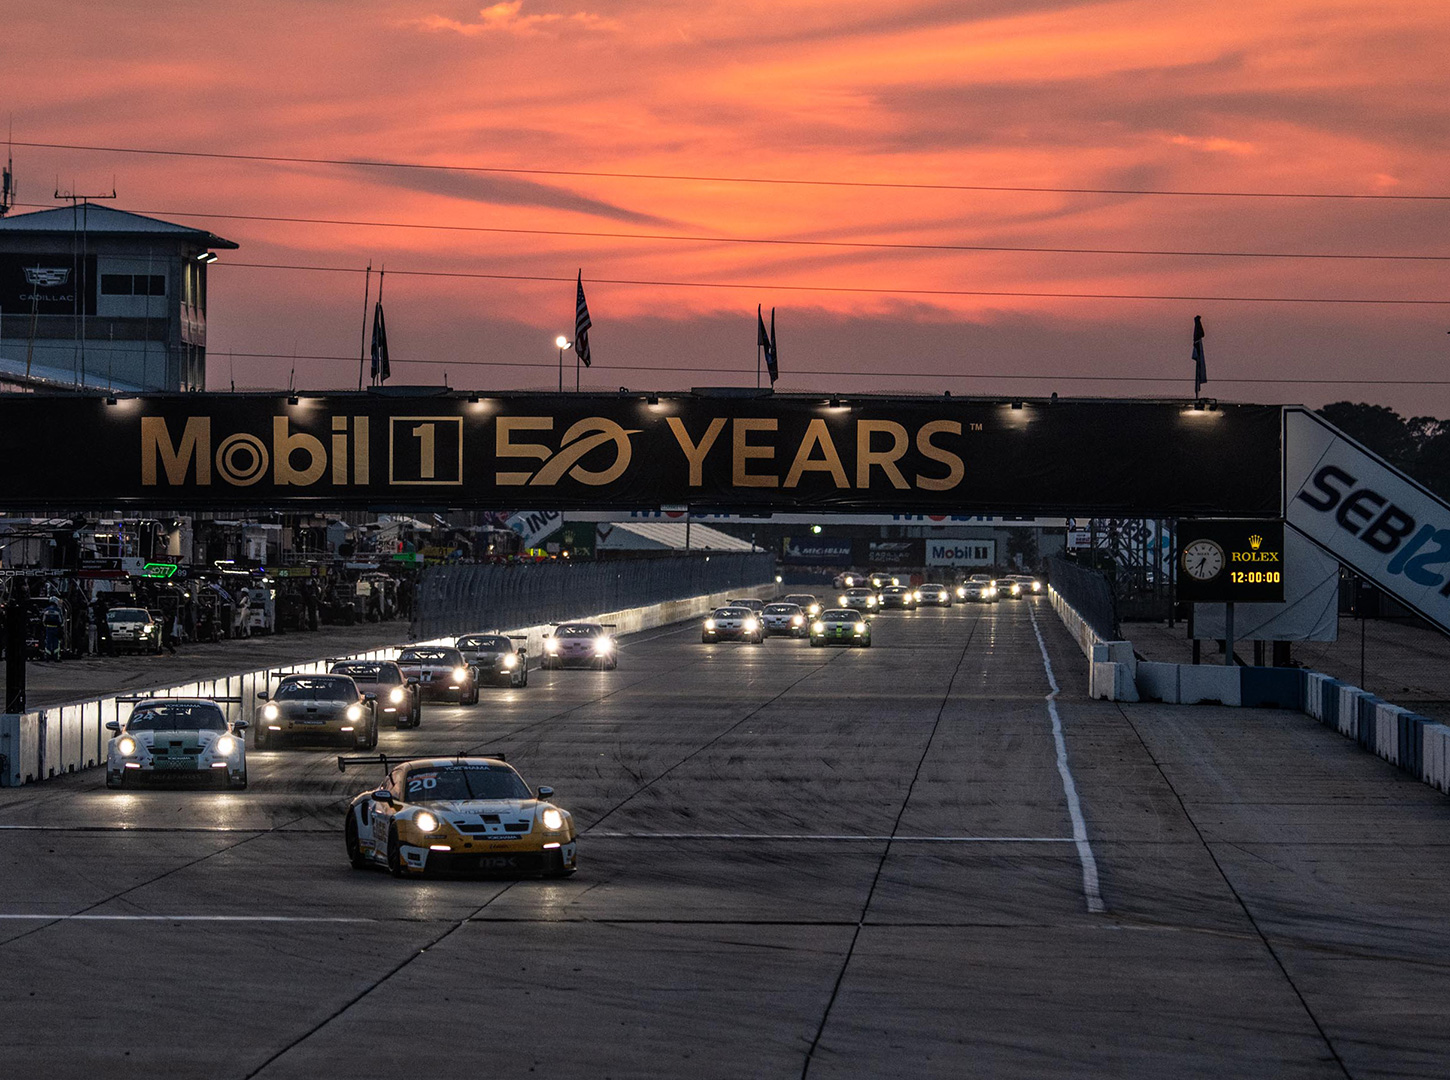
{"points": [[192, 716], [457, 783], [430, 656], [577, 631], [485, 644], [371, 673], [858, 592], [839, 615], [782, 609], [318, 688], [127, 614], [933, 587], [731, 613], [980, 579]]}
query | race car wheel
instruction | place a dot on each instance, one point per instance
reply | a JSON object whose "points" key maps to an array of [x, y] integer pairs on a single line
{"points": [[355, 855], [239, 783], [115, 780], [373, 733], [568, 871], [261, 738], [395, 852]]}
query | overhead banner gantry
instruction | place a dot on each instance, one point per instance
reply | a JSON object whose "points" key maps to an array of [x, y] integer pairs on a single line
{"points": [[628, 451]]}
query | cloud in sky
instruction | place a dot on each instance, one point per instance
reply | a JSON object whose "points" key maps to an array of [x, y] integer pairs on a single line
{"points": [[1225, 95]]}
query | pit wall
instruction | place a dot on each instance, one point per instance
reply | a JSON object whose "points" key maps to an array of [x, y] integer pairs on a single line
{"points": [[1418, 745], [53, 741]]}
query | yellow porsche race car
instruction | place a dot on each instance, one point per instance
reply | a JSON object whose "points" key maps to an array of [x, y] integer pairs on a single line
{"points": [[456, 814]]}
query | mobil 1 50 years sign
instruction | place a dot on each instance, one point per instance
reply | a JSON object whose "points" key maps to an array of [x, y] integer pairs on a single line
{"points": [[627, 451]]}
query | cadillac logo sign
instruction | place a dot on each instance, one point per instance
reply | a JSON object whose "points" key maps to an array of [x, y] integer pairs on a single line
{"points": [[47, 277]]}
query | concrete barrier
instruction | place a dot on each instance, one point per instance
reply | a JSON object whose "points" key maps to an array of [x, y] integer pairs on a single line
{"points": [[1112, 665], [59, 739], [1209, 683]]}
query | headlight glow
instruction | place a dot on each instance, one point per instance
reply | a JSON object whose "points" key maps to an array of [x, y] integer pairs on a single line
{"points": [[460, 674], [751, 624], [941, 596], [815, 609], [870, 601], [553, 820], [603, 645], [797, 620], [709, 624], [270, 711], [850, 581], [354, 712], [510, 661], [396, 695], [127, 746], [225, 746], [961, 592], [860, 628], [896, 581], [841, 600], [550, 645], [916, 595], [426, 821], [818, 628]]}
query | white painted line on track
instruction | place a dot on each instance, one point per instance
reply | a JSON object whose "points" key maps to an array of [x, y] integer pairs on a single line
{"points": [[5, 917], [1085, 855], [835, 838]]}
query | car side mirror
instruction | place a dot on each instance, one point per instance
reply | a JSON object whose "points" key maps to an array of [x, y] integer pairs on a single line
{"points": [[370, 697], [546, 792], [241, 725], [412, 682], [383, 795], [113, 725], [523, 652], [261, 695]]}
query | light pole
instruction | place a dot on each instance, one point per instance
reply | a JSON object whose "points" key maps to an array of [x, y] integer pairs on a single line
{"points": [[563, 344]]}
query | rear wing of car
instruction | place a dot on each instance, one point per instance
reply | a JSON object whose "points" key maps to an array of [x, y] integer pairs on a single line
{"points": [[387, 762]]}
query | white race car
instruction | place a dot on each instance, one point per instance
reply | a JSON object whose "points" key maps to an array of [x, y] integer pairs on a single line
{"points": [[584, 643], [176, 737]]}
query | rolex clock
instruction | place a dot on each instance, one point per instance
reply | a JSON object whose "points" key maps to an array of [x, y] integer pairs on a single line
{"points": [[1202, 560], [1231, 561]]}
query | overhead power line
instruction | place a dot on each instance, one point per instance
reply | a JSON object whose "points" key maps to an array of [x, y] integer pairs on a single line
{"points": [[289, 159], [850, 289], [780, 242], [939, 375]]}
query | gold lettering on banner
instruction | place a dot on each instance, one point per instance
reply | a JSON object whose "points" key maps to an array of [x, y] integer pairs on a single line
{"points": [[360, 473], [284, 445], [885, 460], [955, 469], [744, 451], [695, 454], [195, 447], [505, 447], [575, 446], [817, 434], [339, 450]]}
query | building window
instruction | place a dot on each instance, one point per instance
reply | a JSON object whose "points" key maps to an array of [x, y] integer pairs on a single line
{"points": [[115, 284], [133, 284]]}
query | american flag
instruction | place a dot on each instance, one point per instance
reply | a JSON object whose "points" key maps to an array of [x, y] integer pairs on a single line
{"points": [[581, 324]]}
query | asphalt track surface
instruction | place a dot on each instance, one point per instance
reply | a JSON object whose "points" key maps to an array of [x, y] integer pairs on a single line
{"points": [[794, 862]]}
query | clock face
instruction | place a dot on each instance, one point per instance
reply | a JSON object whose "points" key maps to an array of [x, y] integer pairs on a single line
{"points": [[1202, 559]]}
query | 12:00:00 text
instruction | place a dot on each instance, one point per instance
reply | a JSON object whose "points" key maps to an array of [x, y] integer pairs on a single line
{"points": [[1255, 577]]}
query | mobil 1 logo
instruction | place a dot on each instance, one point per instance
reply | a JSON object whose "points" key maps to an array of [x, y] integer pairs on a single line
{"points": [[425, 450], [1231, 561]]}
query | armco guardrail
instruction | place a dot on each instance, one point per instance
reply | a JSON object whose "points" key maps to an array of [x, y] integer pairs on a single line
{"points": [[457, 599], [50, 742]]}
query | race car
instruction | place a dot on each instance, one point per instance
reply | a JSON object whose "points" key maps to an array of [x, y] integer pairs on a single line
{"points": [[1008, 588], [841, 626], [458, 814], [441, 672], [978, 588], [130, 629], [317, 707], [732, 624], [582, 643], [860, 599], [1030, 585], [495, 658], [784, 619], [898, 596], [933, 594], [807, 602], [879, 580], [176, 737], [398, 697]]}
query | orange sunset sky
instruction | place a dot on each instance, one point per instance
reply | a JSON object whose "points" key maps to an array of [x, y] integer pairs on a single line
{"points": [[941, 100]]}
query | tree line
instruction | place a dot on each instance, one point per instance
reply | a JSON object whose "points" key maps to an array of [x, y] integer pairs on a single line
{"points": [[1419, 446]]}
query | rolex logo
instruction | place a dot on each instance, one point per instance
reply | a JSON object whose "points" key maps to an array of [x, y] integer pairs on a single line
{"points": [[1255, 541]]}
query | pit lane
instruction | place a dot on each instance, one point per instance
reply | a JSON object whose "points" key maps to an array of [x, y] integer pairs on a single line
{"points": [[794, 861]]}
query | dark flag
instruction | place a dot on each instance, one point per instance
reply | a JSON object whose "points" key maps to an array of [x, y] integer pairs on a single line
{"points": [[766, 341], [581, 324], [1200, 368], [381, 369]]}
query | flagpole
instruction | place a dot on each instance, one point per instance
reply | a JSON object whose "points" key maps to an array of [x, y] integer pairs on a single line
{"points": [[362, 348]]}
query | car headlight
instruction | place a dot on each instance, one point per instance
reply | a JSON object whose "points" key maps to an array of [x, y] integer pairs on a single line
{"points": [[1037, 586], [225, 746], [127, 745], [270, 711], [797, 620], [841, 600], [147, 629], [550, 645], [751, 624], [1016, 590], [961, 593], [850, 581], [354, 712], [896, 581], [709, 624], [818, 628], [815, 609], [510, 661], [460, 674], [870, 601], [941, 596], [553, 820], [396, 695], [860, 628], [425, 821], [603, 645], [916, 595]]}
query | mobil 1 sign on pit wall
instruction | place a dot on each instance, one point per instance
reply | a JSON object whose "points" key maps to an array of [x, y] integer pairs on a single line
{"points": [[1368, 514]]}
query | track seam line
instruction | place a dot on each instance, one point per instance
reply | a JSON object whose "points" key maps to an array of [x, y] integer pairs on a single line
{"points": [[1244, 907], [886, 852], [1090, 889]]}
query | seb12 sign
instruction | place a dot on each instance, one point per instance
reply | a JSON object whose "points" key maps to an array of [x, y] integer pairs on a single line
{"points": [[1229, 562]]}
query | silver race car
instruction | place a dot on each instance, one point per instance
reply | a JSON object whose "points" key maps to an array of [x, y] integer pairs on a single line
{"points": [[784, 619], [314, 707], [495, 658], [581, 644], [731, 623], [398, 697], [174, 738]]}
